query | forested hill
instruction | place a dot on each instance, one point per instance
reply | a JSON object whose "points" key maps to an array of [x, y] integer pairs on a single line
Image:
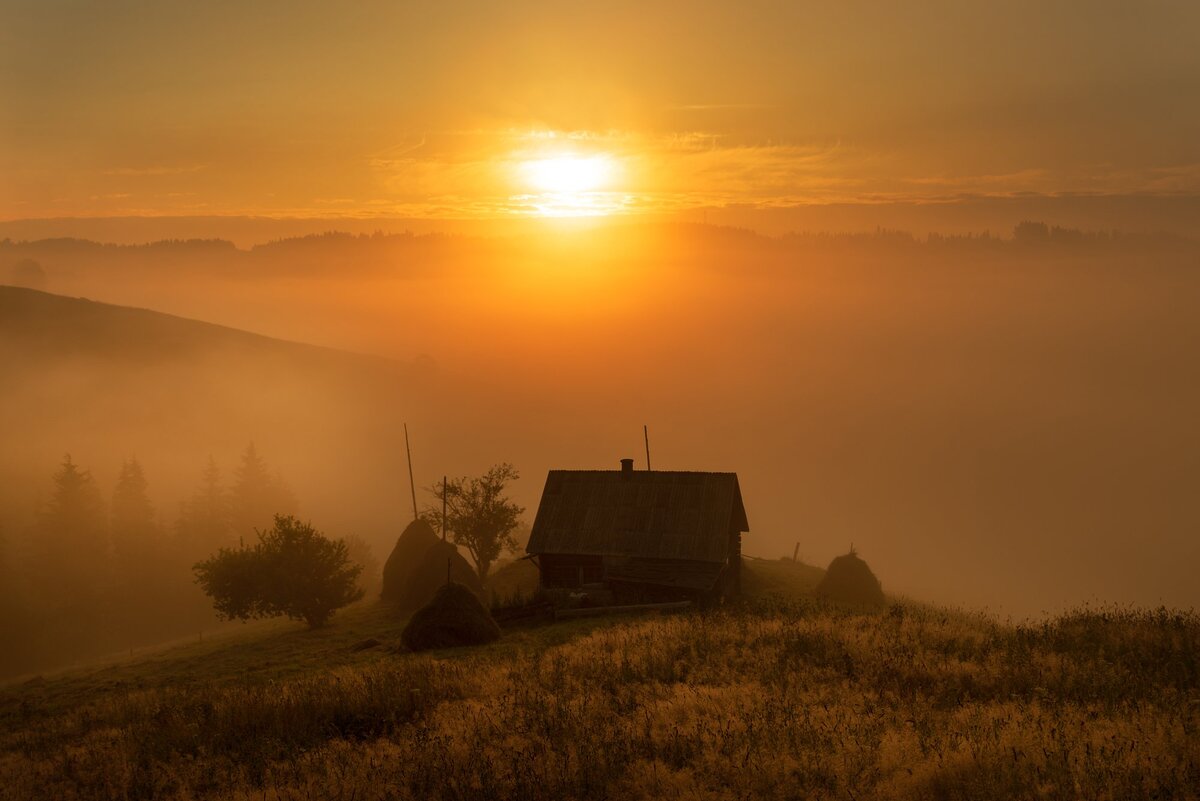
{"points": [[45, 325], [106, 383]]}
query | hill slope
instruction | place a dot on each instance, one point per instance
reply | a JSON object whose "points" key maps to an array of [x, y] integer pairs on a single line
{"points": [[106, 382], [777, 701], [46, 326]]}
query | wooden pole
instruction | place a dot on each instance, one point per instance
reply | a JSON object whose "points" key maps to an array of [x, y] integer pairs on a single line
{"points": [[646, 434], [412, 484], [448, 558]]}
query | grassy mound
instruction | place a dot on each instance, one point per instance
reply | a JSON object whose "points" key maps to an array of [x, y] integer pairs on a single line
{"points": [[779, 577], [429, 575], [412, 544], [454, 617], [849, 580]]}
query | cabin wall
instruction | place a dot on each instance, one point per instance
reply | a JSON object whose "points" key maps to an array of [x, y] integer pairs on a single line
{"points": [[645, 580], [629, 593], [735, 562], [560, 571]]}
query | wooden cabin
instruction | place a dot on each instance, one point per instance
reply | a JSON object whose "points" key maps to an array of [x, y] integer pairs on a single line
{"points": [[648, 535]]}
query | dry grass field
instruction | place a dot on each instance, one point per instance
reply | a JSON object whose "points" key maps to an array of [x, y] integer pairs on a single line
{"points": [[781, 698]]}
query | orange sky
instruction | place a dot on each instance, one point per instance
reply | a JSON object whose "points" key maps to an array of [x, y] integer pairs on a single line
{"points": [[433, 110]]}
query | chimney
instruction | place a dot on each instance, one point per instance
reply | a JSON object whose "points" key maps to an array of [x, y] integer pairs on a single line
{"points": [[626, 468]]}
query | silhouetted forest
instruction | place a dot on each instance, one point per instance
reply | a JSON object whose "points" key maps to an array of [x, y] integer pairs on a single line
{"points": [[102, 569]]}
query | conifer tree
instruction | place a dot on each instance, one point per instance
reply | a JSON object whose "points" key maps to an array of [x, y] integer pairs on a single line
{"points": [[134, 534], [71, 552], [204, 520], [257, 496], [139, 594]]}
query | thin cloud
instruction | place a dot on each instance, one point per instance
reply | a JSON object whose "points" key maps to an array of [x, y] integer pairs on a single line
{"points": [[720, 107], [182, 169], [396, 154]]}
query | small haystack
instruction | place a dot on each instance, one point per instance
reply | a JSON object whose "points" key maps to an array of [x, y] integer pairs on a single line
{"points": [[417, 538], [849, 580], [429, 575], [454, 617]]}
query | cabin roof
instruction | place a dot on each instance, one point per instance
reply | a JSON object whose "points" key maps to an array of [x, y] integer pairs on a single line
{"points": [[659, 514]]}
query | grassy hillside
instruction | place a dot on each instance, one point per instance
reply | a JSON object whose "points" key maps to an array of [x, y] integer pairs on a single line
{"points": [[776, 699]]}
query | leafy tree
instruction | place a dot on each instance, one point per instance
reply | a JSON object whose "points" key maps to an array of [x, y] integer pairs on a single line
{"points": [[257, 495], [479, 516], [293, 570], [233, 578]]}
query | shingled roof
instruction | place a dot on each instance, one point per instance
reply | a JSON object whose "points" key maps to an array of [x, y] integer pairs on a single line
{"points": [[655, 514]]}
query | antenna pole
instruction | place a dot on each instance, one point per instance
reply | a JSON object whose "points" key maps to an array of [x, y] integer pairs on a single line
{"points": [[444, 527], [412, 484], [646, 434]]}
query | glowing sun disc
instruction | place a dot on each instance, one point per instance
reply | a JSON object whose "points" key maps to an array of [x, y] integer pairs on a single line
{"points": [[568, 174]]}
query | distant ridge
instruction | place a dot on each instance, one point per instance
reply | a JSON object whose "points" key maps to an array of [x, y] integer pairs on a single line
{"points": [[103, 382], [40, 321]]}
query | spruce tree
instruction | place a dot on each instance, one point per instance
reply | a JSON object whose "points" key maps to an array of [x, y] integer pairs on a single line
{"points": [[140, 594], [71, 551], [204, 520], [134, 534], [257, 496]]}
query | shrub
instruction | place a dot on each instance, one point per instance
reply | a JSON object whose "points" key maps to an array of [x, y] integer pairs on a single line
{"points": [[293, 570]]}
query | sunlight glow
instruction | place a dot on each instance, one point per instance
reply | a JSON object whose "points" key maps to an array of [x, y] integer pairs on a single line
{"points": [[569, 174], [569, 185]]}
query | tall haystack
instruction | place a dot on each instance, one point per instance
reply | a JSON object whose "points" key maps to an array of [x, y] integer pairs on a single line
{"points": [[849, 580], [455, 616], [430, 572], [401, 565]]}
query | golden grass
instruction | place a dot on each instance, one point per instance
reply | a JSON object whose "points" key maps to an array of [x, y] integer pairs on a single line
{"points": [[777, 700]]}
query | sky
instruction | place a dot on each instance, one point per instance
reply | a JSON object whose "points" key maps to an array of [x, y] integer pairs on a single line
{"points": [[461, 109], [1039, 402]]}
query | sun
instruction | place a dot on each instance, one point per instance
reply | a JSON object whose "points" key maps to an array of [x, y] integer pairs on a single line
{"points": [[569, 184], [569, 174]]}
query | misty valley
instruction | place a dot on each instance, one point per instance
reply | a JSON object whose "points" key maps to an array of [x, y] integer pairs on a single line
{"points": [[341, 516]]}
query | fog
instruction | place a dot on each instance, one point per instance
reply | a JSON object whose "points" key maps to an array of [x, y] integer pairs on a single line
{"points": [[996, 423]]}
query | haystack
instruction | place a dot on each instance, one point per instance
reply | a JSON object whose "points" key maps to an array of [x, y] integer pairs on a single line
{"points": [[849, 580], [454, 617], [412, 544], [429, 575]]}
